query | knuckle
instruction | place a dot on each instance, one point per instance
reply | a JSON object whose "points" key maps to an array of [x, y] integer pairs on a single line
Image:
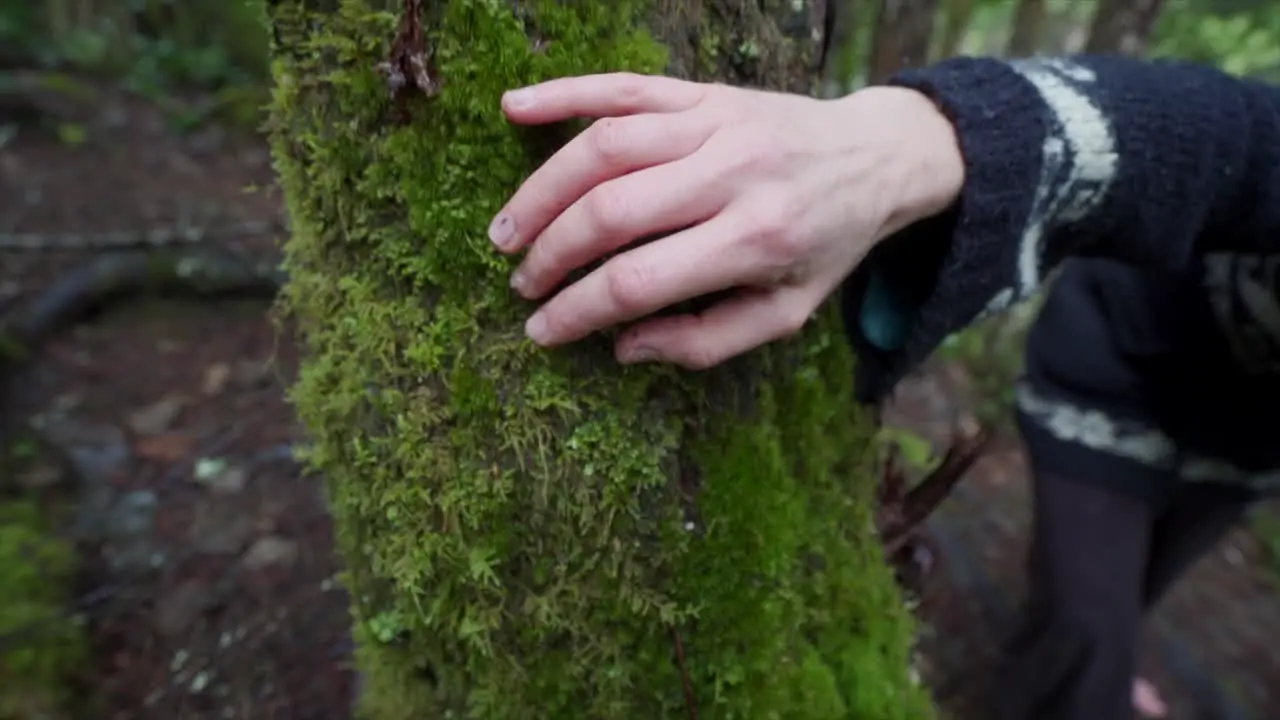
{"points": [[608, 140], [772, 233], [607, 209], [754, 157], [756, 153], [628, 285], [793, 320], [631, 88]]}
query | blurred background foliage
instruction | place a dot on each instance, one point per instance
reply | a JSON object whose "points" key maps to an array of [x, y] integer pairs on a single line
{"points": [[201, 58]]}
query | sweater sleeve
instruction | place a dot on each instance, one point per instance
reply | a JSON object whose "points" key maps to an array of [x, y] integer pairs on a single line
{"points": [[1152, 163]]}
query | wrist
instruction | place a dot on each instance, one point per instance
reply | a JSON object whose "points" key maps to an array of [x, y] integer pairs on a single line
{"points": [[929, 170]]}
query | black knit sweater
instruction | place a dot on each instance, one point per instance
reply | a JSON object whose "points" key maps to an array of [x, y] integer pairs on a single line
{"points": [[1170, 169]]}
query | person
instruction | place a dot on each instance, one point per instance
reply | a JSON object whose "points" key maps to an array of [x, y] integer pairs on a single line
{"points": [[1149, 189]]}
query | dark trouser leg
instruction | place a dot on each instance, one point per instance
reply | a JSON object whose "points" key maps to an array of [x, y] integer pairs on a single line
{"points": [[1075, 655], [1197, 518]]}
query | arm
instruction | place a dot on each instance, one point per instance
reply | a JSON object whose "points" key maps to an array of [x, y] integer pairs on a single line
{"points": [[1152, 163]]}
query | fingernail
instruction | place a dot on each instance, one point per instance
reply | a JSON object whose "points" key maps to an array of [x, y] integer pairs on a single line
{"points": [[536, 328], [521, 99], [502, 230], [520, 283], [639, 355]]}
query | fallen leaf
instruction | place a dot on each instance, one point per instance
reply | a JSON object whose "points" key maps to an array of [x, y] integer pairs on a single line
{"points": [[270, 550], [166, 447], [215, 378], [229, 479], [157, 417], [209, 468]]}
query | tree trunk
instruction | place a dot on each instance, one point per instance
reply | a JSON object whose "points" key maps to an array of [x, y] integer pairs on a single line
{"points": [[543, 534], [957, 14], [1123, 26], [1028, 28], [840, 71], [904, 31]]}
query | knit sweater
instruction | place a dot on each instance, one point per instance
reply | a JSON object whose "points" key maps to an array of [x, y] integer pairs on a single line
{"points": [[1170, 170]]}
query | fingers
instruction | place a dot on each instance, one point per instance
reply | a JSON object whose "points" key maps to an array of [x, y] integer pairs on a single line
{"points": [[726, 330], [642, 204], [688, 264], [602, 95], [610, 148]]}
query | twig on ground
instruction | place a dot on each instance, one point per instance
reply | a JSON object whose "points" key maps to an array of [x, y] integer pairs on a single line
{"points": [[690, 702]]}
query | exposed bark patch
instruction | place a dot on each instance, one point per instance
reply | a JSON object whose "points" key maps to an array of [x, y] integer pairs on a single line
{"points": [[539, 41], [410, 66]]}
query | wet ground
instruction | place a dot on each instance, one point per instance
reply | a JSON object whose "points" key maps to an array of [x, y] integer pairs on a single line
{"points": [[212, 593]]}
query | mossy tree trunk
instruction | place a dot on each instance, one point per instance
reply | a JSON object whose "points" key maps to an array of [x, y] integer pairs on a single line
{"points": [[534, 534]]}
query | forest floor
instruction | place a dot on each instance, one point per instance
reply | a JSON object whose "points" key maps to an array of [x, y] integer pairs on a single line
{"points": [[213, 592]]}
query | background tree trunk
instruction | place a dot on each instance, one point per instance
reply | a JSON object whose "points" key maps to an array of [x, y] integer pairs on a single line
{"points": [[1028, 28], [534, 534], [903, 36], [840, 71], [1123, 25], [957, 14]]}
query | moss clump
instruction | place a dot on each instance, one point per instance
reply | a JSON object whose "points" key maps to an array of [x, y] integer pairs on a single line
{"points": [[41, 646], [531, 534]]}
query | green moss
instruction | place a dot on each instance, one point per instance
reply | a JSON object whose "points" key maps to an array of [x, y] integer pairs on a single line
{"points": [[528, 533], [41, 646]]}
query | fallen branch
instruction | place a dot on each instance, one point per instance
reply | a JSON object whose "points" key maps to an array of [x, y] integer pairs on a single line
{"points": [[112, 277], [106, 278], [902, 512], [180, 234]]}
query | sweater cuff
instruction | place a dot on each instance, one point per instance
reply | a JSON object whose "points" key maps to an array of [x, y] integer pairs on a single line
{"points": [[1001, 122]]}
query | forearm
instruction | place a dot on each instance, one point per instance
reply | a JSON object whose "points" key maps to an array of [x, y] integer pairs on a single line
{"points": [[1150, 163], [1147, 162]]}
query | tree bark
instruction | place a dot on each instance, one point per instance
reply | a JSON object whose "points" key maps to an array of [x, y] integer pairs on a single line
{"points": [[904, 31], [1123, 26], [957, 14], [840, 71], [543, 534], [1028, 28]]}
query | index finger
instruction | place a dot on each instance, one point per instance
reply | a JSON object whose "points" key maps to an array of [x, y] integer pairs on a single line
{"points": [[601, 95]]}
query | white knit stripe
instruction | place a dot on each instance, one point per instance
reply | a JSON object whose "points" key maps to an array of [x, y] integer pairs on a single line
{"points": [[1096, 430], [1078, 166], [1140, 443], [1213, 470]]}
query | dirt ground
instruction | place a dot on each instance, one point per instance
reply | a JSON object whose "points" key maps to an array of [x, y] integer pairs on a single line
{"points": [[211, 591]]}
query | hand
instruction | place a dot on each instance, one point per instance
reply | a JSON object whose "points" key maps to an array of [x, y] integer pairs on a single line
{"points": [[775, 196]]}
